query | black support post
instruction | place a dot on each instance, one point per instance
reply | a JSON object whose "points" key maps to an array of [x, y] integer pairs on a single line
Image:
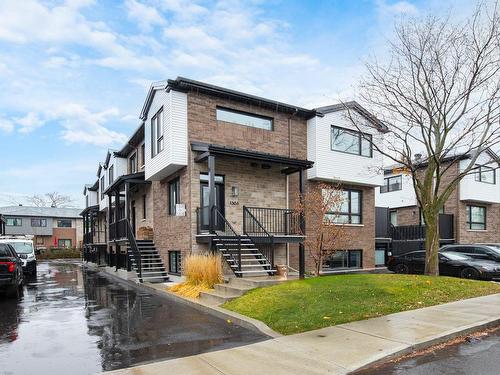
{"points": [[302, 258], [211, 193]]}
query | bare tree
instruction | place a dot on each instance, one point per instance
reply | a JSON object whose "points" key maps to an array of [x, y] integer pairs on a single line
{"points": [[51, 199], [439, 94], [325, 230]]}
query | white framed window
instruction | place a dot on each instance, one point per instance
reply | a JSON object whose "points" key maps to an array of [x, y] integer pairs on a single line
{"points": [[157, 133]]}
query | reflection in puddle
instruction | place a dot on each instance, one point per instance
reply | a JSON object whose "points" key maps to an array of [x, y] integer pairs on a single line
{"points": [[71, 320]]}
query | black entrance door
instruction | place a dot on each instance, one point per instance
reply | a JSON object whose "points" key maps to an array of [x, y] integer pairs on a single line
{"points": [[219, 203]]}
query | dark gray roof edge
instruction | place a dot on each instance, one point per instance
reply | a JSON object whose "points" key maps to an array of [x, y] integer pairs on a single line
{"points": [[132, 142], [357, 107]]}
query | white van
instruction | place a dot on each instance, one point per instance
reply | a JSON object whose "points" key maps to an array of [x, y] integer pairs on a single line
{"points": [[25, 249]]}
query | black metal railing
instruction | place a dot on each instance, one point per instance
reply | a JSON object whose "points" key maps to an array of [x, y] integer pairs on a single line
{"points": [[276, 221], [134, 249], [202, 219], [226, 236], [118, 230], [407, 232], [87, 238], [259, 235]]}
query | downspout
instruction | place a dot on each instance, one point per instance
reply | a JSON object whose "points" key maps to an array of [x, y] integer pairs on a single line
{"points": [[287, 245]]}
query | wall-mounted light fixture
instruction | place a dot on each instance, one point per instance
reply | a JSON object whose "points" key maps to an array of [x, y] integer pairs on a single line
{"points": [[234, 191]]}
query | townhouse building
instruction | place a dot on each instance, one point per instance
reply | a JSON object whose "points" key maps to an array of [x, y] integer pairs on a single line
{"points": [[213, 169], [50, 227], [470, 215]]}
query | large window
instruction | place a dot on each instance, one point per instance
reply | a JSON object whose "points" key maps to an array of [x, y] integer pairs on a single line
{"points": [[133, 163], [102, 187], [343, 259], [476, 217], [111, 174], [174, 262], [173, 195], [347, 212], [393, 183], [14, 222], [244, 118], [38, 222], [485, 174], [64, 223], [351, 142], [64, 243], [157, 133]]}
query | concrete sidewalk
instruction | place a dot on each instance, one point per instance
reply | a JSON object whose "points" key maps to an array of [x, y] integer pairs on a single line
{"points": [[339, 349]]}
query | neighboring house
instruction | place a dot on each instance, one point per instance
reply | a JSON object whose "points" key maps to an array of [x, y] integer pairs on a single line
{"points": [[472, 211], [51, 227], [212, 168], [2, 225]]}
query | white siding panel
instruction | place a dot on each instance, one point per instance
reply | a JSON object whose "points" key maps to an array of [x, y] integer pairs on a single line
{"points": [[175, 151], [337, 166], [400, 198], [472, 190]]}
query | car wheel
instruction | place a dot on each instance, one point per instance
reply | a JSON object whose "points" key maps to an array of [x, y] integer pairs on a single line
{"points": [[469, 273], [33, 272], [402, 268]]}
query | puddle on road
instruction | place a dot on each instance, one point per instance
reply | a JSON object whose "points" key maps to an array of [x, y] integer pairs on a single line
{"points": [[74, 321]]}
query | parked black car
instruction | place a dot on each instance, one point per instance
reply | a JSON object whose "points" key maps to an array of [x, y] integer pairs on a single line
{"points": [[11, 271], [477, 251], [450, 264]]}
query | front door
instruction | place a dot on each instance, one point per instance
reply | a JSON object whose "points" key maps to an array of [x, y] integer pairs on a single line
{"points": [[219, 203]]}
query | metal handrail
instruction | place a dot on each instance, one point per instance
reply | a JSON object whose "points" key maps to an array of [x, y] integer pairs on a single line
{"points": [[269, 251], [278, 221], [232, 233], [135, 250]]}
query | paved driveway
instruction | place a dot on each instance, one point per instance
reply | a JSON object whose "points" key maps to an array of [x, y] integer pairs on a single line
{"points": [[75, 321]]}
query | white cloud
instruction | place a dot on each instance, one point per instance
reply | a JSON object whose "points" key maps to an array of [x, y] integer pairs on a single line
{"points": [[397, 8], [29, 123], [6, 125], [145, 16]]}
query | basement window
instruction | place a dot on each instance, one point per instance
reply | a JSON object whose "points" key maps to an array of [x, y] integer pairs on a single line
{"points": [[174, 262]]}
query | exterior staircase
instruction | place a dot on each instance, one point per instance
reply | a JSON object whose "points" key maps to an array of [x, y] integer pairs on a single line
{"points": [[235, 288], [152, 267], [236, 248]]}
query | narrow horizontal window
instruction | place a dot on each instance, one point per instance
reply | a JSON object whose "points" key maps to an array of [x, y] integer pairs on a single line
{"points": [[38, 222], [393, 183], [485, 174], [14, 222], [244, 118], [64, 223], [351, 142]]}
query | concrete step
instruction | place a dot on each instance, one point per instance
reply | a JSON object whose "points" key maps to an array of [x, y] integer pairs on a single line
{"points": [[216, 298], [246, 266], [231, 290], [254, 282]]}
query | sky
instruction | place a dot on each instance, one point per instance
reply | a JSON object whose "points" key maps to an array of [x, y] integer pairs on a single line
{"points": [[74, 74]]}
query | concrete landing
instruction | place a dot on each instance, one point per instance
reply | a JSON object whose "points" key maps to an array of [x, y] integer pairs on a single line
{"points": [[343, 348]]}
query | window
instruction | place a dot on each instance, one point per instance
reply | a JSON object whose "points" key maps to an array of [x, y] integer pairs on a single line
{"points": [[133, 163], [39, 240], [38, 222], [393, 183], [343, 259], [102, 187], [244, 118], [173, 195], [476, 217], [485, 174], [144, 206], [157, 133], [349, 211], [393, 217], [351, 142], [64, 223], [174, 262], [143, 154], [14, 222], [111, 175], [63, 243]]}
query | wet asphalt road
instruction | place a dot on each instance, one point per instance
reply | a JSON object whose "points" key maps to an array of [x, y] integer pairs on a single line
{"points": [[74, 321], [478, 357]]}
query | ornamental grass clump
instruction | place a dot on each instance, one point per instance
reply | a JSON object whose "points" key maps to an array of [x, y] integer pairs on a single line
{"points": [[202, 272]]}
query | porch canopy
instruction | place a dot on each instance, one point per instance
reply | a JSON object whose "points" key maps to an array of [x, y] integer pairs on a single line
{"points": [[121, 188]]}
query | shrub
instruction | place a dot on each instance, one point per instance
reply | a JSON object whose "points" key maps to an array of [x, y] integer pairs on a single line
{"points": [[59, 253], [202, 272]]}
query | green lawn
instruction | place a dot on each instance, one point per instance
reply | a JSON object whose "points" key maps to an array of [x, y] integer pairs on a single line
{"points": [[303, 305]]}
